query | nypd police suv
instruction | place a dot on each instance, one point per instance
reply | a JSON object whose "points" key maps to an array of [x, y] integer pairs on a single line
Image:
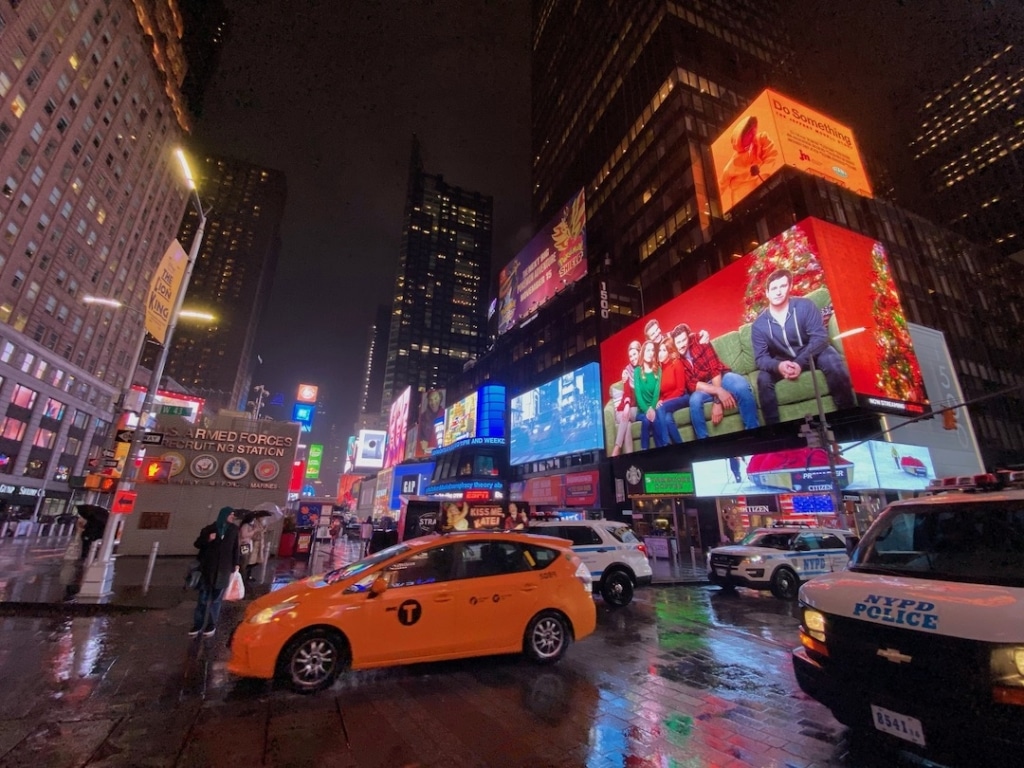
{"points": [[779, 558], [920, 642]]}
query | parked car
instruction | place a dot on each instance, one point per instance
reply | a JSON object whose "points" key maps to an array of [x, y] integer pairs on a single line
{"points": [[617, 559], [438, 597], [779, 559]]}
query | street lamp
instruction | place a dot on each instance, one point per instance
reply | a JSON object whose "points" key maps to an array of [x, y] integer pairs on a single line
{"points": [[825, 436], [99, 575]]}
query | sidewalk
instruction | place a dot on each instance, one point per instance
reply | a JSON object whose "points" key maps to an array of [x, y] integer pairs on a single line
{"points": [[35, 578]]}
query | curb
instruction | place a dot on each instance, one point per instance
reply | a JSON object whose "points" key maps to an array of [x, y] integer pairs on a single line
{"points": [[44, 610]]}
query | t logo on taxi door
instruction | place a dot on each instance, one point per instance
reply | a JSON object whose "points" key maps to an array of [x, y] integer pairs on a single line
{"points": [[409, 613]]}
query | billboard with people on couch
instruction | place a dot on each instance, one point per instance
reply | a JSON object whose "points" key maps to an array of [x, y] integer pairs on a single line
{"points": [[739, 350]]}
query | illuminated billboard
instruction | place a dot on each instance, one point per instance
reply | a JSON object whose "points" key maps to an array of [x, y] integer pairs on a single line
{"points": [[554, 258], [370, 449], [775, 131], [429, 422], [307, 393], [867, 466], [557, 418], [460, 420], [303, 414], [834, 290], [398, 429], [314, 461]]}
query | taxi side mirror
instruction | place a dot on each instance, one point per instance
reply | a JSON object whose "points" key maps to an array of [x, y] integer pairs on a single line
{"points": [[379, 585]]}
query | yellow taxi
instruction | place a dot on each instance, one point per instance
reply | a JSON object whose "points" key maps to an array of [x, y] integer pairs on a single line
{"points": [[444, 596]]}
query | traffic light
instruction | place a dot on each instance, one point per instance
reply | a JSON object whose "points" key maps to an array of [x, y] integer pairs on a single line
{"points": [[101, 483], [949, 419], [155, 470]]}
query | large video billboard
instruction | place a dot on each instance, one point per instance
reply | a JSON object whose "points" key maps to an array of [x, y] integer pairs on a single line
{"points": [[775, 131], [398, 429], [868, 466], [460, 420], [560, 417], [836, 283], [429, 422], [553, 259], [370, 449]]}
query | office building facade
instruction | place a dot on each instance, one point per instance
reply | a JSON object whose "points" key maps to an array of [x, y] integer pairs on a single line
{"points": [[231, 279], [438, 316], [92, 196]]}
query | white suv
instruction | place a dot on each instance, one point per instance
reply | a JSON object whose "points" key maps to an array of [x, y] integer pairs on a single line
{"points": [[617, 559], [780, 559]]}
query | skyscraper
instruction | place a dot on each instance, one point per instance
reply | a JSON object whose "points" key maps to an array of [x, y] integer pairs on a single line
{"points": [[231, 280], [91, 197], [438, 317], [971, 148]]}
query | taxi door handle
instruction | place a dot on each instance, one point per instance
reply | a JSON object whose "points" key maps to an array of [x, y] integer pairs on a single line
{"points": [[444, 597], [529, 588]]}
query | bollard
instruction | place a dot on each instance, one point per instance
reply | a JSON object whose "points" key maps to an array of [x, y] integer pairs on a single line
{"points": [[693, 558], [149, 568]]}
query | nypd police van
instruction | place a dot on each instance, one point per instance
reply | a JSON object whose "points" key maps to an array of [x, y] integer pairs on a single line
{"points": [[920, 642], [779, 558]]}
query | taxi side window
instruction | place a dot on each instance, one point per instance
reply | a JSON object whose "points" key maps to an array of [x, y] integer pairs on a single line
{"points": [[831, 541], [539, 558], [489, 558], [426, 567]]}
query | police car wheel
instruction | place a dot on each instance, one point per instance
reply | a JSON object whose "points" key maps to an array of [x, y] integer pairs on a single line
{"points": [[312, 660], [547, 637], [785, 584], [617, 588]]}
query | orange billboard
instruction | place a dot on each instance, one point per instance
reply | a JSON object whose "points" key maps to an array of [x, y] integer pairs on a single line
{"points": [[775, 131]]}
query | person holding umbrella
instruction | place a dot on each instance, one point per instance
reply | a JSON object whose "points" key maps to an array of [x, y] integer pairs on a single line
{"points": [[93, 523], [219, 557]]}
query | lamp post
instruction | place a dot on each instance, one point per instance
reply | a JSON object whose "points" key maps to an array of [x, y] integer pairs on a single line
{"points": [[99, 575], [825, 436]]}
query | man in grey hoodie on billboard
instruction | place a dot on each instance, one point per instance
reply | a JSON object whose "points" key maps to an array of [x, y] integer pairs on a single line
{"points": [[787, 335]]}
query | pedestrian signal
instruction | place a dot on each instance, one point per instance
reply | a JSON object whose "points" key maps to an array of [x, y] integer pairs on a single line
{"points": [[949, 419], [155, 471]]}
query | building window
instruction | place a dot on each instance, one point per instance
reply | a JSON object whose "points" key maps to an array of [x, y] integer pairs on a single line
{"points": [[12, 429], [44, 439]]}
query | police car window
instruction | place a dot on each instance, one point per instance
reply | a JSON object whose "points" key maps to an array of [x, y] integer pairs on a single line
{"points": [[424, 567], [972, 541], [831, 541], [539, 558], [805, 542], [772, 540], [478, 559], [581, 535], [624, 534]]}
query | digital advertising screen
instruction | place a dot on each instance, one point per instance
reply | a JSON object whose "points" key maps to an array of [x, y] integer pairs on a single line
{"points": [[775, 131], [398, 429], [429, 416], [557, 418], [834, 290], [868, 466], [554, 258], [303, 414], [370, 449], [460, 420]]}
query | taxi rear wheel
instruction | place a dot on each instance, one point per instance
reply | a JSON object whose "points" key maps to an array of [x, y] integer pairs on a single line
{"points": [[785, 584], [313, 659], [617, 588], [547, 637]]}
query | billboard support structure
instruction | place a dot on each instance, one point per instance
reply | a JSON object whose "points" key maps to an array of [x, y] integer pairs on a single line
{"points": [[827, 442]]}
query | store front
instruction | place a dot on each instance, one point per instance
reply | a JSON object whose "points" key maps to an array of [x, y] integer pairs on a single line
{"points": [[570, 495]]}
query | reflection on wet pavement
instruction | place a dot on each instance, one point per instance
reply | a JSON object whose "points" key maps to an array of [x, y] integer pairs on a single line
{"points": [[681, 678]]}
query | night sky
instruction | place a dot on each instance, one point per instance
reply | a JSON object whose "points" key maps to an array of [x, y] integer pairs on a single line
{"points": [[331, 92]]}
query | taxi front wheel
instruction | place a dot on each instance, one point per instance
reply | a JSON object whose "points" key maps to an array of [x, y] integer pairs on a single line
{"points": [[312, 660], [547, 637]]}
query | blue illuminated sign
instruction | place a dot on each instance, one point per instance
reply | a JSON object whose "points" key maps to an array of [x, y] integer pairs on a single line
{"points": [[560, 417]]}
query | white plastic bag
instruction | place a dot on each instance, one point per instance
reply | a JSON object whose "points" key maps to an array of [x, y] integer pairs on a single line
{"points": [[236, 587]]}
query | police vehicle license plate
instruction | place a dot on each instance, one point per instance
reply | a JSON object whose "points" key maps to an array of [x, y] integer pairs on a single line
{"points": [[721, 571], [901, 726]]}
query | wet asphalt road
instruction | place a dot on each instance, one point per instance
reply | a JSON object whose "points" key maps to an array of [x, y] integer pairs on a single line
{"points": [[685, 677]]}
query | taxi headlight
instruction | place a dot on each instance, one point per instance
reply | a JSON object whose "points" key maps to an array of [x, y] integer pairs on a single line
{"points": [[814, 623], [267, 615]]}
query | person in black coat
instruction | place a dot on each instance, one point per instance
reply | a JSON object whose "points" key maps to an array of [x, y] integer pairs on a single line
{"points": [[219, 557], [95, 521]]}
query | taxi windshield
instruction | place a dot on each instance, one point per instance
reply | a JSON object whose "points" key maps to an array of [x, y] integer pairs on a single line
{"points": [[770, 539], [359, 566], [980, 542]]}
